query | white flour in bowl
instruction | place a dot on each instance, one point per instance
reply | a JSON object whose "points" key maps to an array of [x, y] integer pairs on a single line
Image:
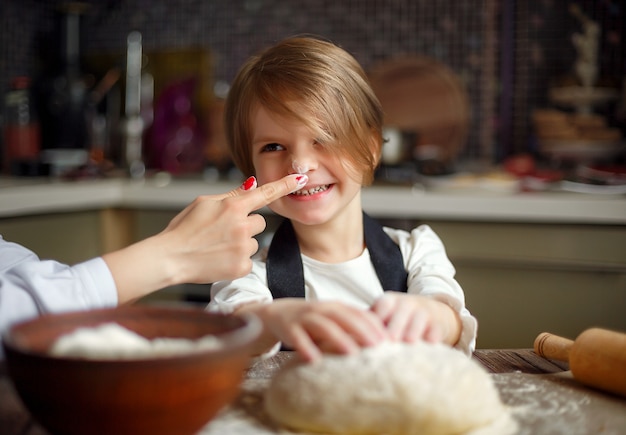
{"points": [[113, 341]]}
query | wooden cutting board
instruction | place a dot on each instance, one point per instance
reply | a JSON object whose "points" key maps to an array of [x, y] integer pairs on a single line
{"points": [[557, 404], [424, 96]]}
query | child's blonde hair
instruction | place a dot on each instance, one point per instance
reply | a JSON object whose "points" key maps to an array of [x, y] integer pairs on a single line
{"points": [[318, 84]]}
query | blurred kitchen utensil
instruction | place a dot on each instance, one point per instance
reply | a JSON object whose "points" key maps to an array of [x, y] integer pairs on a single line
{"points": [[177, 138], [597, 357], [63, 94], [162, 70], [394, 149], [110, 78], [424, 96], [134, 125], [575, 137], [21, 130]]}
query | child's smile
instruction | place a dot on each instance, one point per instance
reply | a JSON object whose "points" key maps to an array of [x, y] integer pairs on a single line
{"points": [[311, 191]]}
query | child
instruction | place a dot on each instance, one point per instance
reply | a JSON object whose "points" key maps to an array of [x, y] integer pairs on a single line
{"points": [[332, 280]]}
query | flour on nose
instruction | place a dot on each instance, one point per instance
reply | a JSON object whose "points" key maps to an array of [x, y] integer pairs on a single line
{"points": [[299, 168]]}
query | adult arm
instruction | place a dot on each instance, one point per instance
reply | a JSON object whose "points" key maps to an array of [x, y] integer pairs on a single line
{"points": [[211, 239], [30, 286]]}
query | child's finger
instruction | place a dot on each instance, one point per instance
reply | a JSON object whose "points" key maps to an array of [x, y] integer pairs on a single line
{"points": [[303, 344], [383, 307]]}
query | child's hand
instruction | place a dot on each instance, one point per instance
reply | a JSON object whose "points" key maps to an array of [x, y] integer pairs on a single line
{"points": [[411, 318], [313, 327]]}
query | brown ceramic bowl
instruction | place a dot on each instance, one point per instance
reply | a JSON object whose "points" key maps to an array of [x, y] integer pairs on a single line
{"points": [[158, 395]]}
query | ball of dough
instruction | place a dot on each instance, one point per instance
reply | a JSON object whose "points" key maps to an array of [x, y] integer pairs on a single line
{"points": [[390, 389]]}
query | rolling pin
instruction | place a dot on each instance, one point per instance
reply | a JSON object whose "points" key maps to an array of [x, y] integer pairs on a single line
{"points": [[597, 357]]}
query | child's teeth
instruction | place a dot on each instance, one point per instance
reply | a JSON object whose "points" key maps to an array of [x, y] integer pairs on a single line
{"points": [[312, 190]]}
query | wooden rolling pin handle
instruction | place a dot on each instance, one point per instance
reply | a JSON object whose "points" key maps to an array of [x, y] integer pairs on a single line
{"points": [[552, 346], [596, 358]]}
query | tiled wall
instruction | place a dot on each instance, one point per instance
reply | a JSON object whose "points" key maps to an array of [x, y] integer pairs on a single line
{"points": [[544, 54], [505, 51]]}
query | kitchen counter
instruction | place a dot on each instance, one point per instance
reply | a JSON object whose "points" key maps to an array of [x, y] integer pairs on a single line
{"points": [[520, 257], [542, 395], [30, 197]]}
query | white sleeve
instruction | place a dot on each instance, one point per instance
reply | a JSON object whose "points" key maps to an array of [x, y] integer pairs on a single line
{"points": [[432, 274], [30, 286]]}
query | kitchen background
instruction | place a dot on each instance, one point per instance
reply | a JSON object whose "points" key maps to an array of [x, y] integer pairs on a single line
{"points": [[506, 53], [559, 266]]}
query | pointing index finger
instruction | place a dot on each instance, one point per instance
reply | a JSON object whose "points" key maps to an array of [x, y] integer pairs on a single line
{"points": [[270, 192]]}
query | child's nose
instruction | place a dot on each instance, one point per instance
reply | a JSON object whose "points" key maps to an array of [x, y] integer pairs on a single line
{"points": [[300, 168], [301, 165]]}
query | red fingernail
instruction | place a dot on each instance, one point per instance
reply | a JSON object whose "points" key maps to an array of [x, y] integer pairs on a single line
{"points": [[249, 183], [302, 180]]}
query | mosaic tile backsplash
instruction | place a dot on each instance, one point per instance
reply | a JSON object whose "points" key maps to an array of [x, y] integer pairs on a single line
{"points": [[505, 52]]}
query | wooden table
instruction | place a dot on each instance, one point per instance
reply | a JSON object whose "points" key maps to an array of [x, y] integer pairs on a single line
{"points": [[543, 396]]}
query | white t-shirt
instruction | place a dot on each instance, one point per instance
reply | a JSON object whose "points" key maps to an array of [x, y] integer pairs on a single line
{"points": [[430, 273]]}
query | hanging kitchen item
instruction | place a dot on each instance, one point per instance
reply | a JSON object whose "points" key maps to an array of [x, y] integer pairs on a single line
{"points": [[423, 96], [135, 124]]}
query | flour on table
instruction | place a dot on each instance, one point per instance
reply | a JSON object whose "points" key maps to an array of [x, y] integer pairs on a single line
{"points": [[389, 389], [113, 341]]}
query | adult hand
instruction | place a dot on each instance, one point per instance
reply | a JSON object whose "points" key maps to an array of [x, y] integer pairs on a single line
{"points": [[211, 239], [214, 235], [411, 318]]}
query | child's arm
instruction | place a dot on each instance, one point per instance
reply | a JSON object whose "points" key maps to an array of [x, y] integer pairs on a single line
{"points": [[412, 318], [313, 327], [433, 295]]}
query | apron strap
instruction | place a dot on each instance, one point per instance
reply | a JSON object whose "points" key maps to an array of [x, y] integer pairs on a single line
{"points": [[285, 274], [385, 255]]}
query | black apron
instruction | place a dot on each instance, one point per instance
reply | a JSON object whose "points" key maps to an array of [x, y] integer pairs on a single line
{"points": [[285, 276]]}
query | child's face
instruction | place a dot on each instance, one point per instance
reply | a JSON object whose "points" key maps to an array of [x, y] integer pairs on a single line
{"points": [[282, 146]]}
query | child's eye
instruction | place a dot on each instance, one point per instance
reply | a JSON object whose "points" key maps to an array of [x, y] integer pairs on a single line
{"points": [[272, 147]]}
